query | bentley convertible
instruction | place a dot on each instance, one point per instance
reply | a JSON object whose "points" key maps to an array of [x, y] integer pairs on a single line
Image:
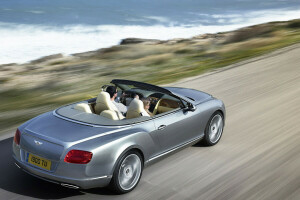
{"points": [[91, 143]]}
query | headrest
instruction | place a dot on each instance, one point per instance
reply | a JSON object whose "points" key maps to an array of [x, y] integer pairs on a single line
{"points": [[83, 107], [103, 100], [136, 109], [103, 96], [103, 103], [109, 114]]}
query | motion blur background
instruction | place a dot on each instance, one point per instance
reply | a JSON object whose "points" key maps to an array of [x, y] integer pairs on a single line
{"points": [[51, 53], [245, 52]]}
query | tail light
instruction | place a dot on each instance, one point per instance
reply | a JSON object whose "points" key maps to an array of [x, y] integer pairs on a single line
{"points": [[17, 137], [78, 157]]}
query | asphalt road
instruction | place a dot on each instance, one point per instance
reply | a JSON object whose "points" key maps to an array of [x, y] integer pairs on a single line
{"points": [[258, 156]]}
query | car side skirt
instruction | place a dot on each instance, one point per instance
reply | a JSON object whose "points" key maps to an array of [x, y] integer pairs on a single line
{"points": [[173, 150]]}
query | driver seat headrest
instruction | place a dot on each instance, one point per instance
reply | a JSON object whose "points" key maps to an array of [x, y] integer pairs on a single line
{"points": [[103, 103]]}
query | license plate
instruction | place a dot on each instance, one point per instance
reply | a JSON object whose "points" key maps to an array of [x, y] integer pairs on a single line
{"points": [[38, 161]]}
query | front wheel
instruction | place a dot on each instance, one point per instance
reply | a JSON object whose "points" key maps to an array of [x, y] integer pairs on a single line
{"points": [[127, 173], [214, 129]]}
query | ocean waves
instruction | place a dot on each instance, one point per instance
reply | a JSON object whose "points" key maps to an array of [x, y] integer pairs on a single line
{"points": [[20, 43]]}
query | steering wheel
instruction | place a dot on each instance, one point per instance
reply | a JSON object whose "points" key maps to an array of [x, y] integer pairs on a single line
{"points": [[123, 97], [156, 107], [164, 105]]}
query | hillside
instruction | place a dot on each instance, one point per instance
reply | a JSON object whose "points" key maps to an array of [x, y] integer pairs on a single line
{"points": [[29, 89]]}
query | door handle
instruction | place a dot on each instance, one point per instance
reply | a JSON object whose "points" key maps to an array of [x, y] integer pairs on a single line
{"points": [[161, 127]]}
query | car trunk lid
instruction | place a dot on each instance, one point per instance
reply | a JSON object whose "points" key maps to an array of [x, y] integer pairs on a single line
{"points": [[59, 131], [49, 137], [41, 147]]}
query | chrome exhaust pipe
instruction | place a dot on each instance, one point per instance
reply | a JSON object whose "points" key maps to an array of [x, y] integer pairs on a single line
{"points": [[62, 184], [69, 186]]}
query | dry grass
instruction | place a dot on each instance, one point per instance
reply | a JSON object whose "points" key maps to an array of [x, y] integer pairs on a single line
{"points": [[54, 80]]}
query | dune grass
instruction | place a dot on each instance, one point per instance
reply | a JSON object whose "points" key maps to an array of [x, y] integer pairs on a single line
{"points": [[33, 88]]}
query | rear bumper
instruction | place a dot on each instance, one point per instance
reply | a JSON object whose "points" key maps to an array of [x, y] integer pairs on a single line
{"points": [[84, 183]]}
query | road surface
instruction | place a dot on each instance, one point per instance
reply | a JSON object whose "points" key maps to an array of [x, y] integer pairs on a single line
{"points": [[258, 156]]}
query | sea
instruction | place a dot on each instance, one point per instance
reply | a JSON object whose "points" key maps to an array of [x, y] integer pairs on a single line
{"points": [[30, 29]]}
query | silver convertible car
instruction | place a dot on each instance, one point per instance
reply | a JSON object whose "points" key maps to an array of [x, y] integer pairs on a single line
{"points": [[92, 144]]}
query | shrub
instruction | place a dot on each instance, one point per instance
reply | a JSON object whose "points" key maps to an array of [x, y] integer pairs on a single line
{"points": [[248, 33], [294, 24], [183, 51]]}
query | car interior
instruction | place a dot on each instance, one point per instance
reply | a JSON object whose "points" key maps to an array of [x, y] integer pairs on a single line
{"points": [[103, 106]]}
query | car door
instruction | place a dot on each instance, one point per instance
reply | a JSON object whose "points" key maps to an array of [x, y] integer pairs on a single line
{"points": [[176, 128]]}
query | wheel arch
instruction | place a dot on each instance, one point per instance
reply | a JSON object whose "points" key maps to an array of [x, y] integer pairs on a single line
{"points": [[130, 148], [223, 114]]}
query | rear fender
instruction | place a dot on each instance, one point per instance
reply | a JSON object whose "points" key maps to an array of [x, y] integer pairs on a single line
{"points": [[107, 150]]}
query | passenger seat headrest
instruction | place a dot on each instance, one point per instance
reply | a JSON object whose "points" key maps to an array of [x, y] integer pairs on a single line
{"points": [[136, 109]]}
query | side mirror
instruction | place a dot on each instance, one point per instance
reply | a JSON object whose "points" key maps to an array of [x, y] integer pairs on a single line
{"points": [[190, 107]]}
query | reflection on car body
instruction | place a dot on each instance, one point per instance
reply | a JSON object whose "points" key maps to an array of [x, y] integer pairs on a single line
{"points": [[90, 144]]}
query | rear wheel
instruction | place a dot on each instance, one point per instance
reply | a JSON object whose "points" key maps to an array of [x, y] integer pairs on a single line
{"points": [[214, 129], [127, 173]]}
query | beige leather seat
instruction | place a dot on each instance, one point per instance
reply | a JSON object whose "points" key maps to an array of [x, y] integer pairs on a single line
{"points": [[103, 103], [136, 109], [83, 107], [109, 114]]}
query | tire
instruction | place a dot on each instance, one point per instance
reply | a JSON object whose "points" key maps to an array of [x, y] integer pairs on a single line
{"points": [[127, 173], [214, 129]]}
